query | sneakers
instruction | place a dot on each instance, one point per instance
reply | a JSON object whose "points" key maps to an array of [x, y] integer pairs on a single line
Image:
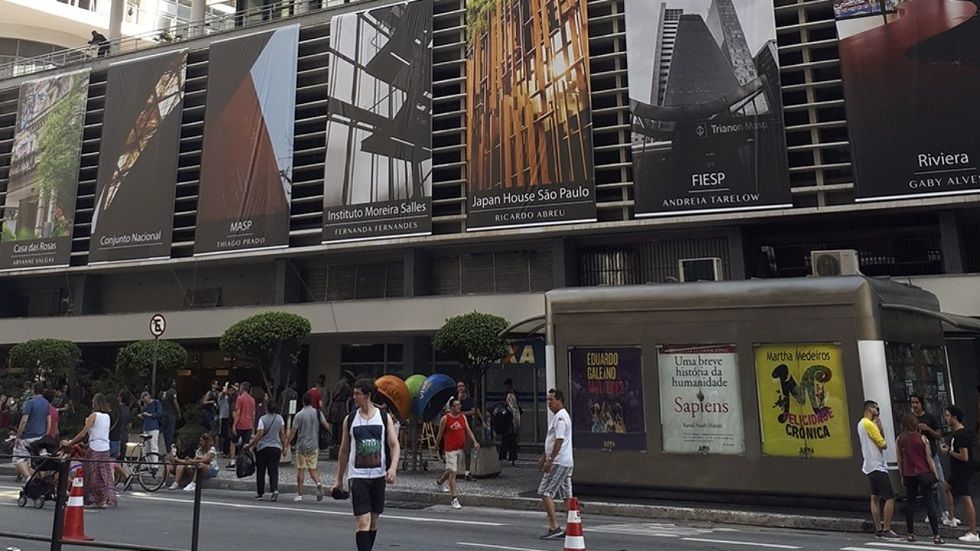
{"points": [[972, 538], [888, 535], [231, 466], [275, 497], [190, 487], [455, 503], [468, 477], [174, 486], [298, 498], [553, 534], [952, 522], [258, 498], [319, 492]]}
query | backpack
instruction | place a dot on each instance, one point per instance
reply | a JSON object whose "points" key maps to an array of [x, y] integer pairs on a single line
{"points": [[245, 464], [384, 436]]}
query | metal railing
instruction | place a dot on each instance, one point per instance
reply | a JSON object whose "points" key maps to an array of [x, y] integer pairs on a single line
{"points": [[177, 32]]}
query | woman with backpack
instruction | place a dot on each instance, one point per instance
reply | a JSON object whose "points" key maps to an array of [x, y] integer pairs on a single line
{"points": [[269, 441], [918, 475]]}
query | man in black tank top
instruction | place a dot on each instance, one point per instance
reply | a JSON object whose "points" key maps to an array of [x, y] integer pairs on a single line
{"points": [[362, 460]]}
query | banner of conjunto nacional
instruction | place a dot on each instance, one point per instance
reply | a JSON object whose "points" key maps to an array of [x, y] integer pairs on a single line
{"points": [[528, 114], [706, 107], [134, 206], [247, 159], [377, 179], [911, 71], [39, 207]]}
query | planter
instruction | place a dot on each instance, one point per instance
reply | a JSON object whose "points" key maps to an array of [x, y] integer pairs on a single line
{"points": [[484, 462]]}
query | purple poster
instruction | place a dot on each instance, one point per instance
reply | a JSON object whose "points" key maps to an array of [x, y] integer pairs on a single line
{"points": [[607, 398]]}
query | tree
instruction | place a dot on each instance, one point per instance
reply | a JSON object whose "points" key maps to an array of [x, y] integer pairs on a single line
{"points": [[474, 341], [272, 341], [134, 363], [50, 361]]}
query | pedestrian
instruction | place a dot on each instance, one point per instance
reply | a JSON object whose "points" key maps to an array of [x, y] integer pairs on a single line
{"points": [[225, 401], [100, 486], [209, 406], [468, 408], [960, 470], [99, 39], [35, 422], [918, 475], [269, 441], [873, 447], [368, 458], [202, 466], [340, 406], [930, 428], [54, 413], [119, 431], [306, 431], [556, 462], [453, 433], [171, 413], [318, 392], [508, 440], [151, 413], [243, 420]]}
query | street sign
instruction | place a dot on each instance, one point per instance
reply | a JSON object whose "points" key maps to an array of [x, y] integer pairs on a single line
{"points": [[158, 324]]}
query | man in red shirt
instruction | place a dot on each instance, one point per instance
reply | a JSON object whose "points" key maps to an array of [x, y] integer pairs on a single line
{"points": [[243, 420], [455, 429], [317, 392]]}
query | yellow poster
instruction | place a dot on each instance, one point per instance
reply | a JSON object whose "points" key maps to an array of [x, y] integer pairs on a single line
{"points": [[802, 400]]}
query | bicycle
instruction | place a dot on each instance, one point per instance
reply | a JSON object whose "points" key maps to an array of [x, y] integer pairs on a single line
{"points": [[150, 474]]}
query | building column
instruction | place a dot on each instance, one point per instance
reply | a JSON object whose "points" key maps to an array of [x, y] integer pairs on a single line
{"points": [[116, 11], [197, 18], [417, 271], [736, 254], [564, 263], [949, 243]]}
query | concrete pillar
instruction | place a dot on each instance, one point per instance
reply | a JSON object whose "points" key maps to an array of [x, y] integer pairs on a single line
{"points": [[197, 18], [949, 242], [417, 272], [564, 259], [736, 255], [116, 13]]}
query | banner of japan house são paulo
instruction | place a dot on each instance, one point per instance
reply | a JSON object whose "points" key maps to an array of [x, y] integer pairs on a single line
{"points": [[247, 159], [528, 114], [706, 106], [377, 179], [911, 71], [607, 398], [802, 400], [134, 206], [39, 208]]}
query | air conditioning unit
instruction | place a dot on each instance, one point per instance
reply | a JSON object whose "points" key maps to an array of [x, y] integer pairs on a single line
{"points": [[834, 263], [700, 269]]}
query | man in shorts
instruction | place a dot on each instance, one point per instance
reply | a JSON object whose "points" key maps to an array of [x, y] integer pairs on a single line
{"points": [[454, 428], [960, 449], [363, 459], [556, 462], [873, 447], [35, 422], [307, 425]]}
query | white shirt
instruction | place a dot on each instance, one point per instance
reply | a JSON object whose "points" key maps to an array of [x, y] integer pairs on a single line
{"points": [[560, 428], [367, 447], [874, 456], [98, 435]]}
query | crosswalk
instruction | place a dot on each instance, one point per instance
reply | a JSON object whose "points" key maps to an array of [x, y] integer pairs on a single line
{"points": [[657, 529], [925, 545]]}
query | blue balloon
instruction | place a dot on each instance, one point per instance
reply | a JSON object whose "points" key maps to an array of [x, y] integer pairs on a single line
{"points": [[436, 391]]}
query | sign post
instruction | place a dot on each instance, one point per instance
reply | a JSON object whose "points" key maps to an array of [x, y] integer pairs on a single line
{"points": [[158, 325]]}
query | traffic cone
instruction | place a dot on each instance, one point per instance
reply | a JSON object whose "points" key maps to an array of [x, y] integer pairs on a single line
{"points": [[574, 536], [75, 514]]}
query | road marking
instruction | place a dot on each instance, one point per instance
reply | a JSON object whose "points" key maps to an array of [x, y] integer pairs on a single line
{"points": [[316, 511], [502, 547], [752, 543], [926, 544], [658, 529]]}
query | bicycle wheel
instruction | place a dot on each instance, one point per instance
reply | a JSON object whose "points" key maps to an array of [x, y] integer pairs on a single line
{"points": [[151, 477]]}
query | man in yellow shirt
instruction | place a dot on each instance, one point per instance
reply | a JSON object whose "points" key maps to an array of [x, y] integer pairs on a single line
{"points": [[873, 447]]}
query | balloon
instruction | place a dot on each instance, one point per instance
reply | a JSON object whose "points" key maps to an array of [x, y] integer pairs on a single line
{"points": [[394, 392], [435, 392], [415, 383]]}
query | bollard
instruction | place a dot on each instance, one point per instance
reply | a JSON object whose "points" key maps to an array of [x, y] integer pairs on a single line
{"points": [[61, 501], [196, 529]]}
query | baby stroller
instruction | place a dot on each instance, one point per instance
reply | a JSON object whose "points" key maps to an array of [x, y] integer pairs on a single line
{"points": [[43, 484]]}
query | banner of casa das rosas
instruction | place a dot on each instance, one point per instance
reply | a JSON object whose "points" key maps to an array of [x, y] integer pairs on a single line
{"points": [[607, 398]]}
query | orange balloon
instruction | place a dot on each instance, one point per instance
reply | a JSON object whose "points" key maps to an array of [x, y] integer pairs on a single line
{"points": [[394, 391]]}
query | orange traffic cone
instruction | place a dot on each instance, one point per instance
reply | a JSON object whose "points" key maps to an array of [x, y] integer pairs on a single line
{"points": [[75, 514], [574, 536]]}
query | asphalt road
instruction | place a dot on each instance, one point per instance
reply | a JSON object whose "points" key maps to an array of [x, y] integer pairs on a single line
{"points": [[233, 521]]}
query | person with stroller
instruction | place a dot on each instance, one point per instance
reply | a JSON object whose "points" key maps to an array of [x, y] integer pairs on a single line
{"points": [[35, 422], [100, 487]]}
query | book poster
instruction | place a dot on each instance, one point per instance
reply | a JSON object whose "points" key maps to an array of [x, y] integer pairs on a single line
{"points": [[607, 398]]}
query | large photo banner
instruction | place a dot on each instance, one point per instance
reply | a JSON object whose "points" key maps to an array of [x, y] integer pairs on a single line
{"points": [[134, 206], [528, 114], [247, 161], [39, 206], [802, 400], [706, 107], [700, 399], [607, 398], [911, 71], [377, 178]]}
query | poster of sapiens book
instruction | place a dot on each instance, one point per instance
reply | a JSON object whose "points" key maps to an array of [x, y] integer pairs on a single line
{"points": [[607, 398], [700, 404]]}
